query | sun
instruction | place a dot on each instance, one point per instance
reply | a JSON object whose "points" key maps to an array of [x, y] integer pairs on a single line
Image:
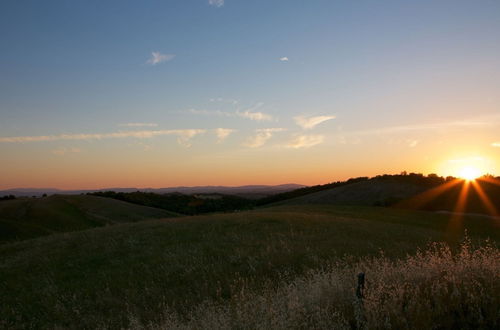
{"points": [[469, 173]]}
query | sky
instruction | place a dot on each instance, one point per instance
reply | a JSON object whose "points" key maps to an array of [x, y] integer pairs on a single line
{"points": [[123, 93]]}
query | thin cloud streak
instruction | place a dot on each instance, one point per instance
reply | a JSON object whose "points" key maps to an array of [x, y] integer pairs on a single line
{"points": [[262, 136], [212, 113], [248, 114], [496, 144], [425, 127], [311, 122], [257, 116], [138, 125], [223, 100], [305, 141], [284, 59], [183, 136], [157, 57]]}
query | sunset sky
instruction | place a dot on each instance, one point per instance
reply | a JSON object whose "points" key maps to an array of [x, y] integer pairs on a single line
{"points": [[120, 93]]}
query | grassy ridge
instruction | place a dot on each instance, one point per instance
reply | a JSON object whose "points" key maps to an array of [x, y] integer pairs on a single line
{"points": [[100, 277], [412, 191], [32, 217]]}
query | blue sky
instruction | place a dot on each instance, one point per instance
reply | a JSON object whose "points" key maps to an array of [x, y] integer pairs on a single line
{"points": [[370, 74]]}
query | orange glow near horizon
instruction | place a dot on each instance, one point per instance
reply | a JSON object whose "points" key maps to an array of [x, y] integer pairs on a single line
{"points": [[468, 167], [96, 169]]}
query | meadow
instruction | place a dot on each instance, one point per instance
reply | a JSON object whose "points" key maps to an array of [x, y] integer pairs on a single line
{"points": [[276, 267]]}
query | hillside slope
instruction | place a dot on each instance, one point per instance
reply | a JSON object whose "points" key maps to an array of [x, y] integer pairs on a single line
{"points": [[98, 278], [33, 217], [369, 193]]}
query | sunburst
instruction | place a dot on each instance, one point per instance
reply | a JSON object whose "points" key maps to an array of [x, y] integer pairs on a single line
{"points": [[470, 173]]}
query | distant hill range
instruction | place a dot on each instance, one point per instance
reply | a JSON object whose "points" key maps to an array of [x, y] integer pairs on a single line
{"points": [[24, 218], [249, 191]]}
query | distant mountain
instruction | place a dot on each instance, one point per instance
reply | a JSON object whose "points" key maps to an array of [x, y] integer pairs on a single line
{"points": [[24, 218], [249, 191]]}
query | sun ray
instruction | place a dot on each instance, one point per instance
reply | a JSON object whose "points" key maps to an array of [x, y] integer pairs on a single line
{"points": [[485, 199], [489, 179], [462, 198], [455, 225], [424, 198]]}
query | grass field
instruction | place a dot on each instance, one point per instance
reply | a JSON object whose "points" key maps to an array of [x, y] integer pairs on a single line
{"points": [[33, 217], [130, 275]]}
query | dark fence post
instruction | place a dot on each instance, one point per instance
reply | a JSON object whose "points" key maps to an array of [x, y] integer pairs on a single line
{"points": [[361, 286], [359, 309]]}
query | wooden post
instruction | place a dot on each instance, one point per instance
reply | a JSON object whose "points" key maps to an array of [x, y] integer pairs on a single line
{"points": [[361, 286], [359, 309]]}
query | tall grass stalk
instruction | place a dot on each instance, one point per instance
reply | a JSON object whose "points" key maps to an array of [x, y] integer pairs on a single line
{"points": [[433, 289]]}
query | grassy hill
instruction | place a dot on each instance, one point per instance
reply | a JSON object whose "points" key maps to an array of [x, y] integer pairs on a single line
{"points": [[134, 273], [412, 191], [370, 192], [32, 217]]}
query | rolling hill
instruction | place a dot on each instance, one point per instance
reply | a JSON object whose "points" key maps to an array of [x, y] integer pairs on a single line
{"points": [[32, 217], [369, 193], [431, 193], [116, 276]]}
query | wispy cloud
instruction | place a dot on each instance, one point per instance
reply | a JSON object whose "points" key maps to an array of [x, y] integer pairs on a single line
{"points": [[496, 144], [262, 136], [63, 151], [223, 133], [305, 141], [157, 57], [216, 3], [251, 114], [223, 100], [184, 135], [138, 125], [311, 122], [284, 59], [254, 115], [212, 113]]}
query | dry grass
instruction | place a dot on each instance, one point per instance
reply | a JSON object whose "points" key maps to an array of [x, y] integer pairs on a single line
{"points": [[275, 267], [434, 289]]}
